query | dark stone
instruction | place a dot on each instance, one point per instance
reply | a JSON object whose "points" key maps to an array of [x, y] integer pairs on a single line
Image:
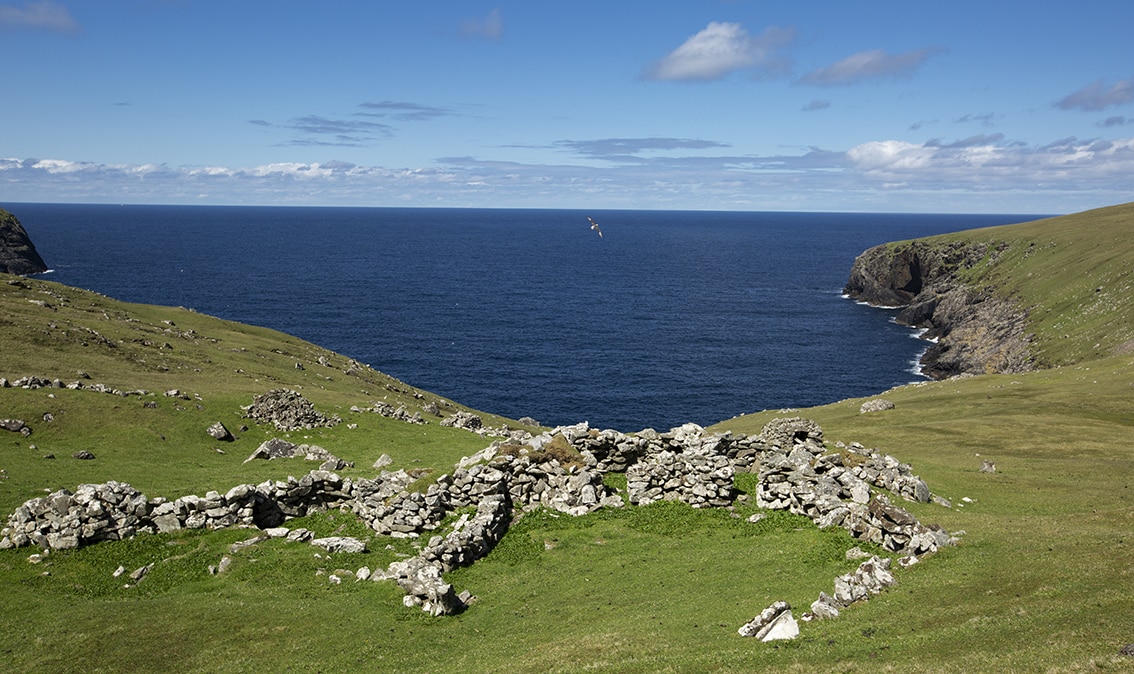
{"points": [[17, 253], [892, 513], [13, 425], [83, 454]]}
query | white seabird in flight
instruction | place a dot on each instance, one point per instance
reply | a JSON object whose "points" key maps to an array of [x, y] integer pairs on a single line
{"points": [[594, 226]]}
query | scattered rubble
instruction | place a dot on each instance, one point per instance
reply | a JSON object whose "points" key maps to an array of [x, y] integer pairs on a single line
{"points": [[33, 382], [278, 448]]}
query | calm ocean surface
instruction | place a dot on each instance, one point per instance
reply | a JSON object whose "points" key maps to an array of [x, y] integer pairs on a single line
{"points": [[670, 317]]}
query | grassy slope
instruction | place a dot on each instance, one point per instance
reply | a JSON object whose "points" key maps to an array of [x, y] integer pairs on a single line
{"points": [[1041, 582]]}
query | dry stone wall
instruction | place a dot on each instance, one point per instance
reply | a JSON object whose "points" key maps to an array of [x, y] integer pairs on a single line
{"points": [[835, 490], [509, 477]]}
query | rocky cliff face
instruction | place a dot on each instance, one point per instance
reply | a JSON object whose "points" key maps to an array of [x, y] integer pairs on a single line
{"points": [[973, 331], [17, 252]]}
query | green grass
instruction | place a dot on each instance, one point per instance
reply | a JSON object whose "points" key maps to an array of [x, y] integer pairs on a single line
{"points": [[1040, 582]]}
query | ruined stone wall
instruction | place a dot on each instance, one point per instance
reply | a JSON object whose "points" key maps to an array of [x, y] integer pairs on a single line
{"points": [[795, 470]]}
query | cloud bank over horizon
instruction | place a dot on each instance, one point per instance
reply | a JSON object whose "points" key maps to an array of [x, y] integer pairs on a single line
{"points": [[1069, 174]]}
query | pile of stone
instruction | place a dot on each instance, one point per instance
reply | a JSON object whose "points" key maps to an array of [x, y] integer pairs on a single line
{"points": [[288, 410], [465, 420], [115, 510], [423, 585], [870, 578], [886, 472], [831, 495], [278, 448], [33, 382], [64, 520], [399, 413], [474, 423], [875, 405]]}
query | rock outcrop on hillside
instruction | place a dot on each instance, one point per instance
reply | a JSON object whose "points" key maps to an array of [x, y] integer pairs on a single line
{"points": [[973, 331], [17, 253]]}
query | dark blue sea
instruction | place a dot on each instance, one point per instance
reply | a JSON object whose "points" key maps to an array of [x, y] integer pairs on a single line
{"points": [[669, 317]]}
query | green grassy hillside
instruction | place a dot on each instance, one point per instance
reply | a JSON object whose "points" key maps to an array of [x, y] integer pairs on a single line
{"points": [[1073, 274], [1041, 581], [51, 331]]}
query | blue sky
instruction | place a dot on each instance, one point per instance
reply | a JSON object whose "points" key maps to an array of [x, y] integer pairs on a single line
{"points": [[708, 104]]}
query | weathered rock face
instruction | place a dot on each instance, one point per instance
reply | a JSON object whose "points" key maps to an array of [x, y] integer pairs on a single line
{"points": [[17, 253], [973, 331]]}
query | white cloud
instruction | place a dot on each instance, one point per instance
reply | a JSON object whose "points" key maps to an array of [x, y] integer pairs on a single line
{"points": [[723, 48], [39, 15], [891, 155], [1097, 96], [975, 174], [1065, 165], [868, 65], [60, 166], [292, 169], [490, 27], [209, 171]]}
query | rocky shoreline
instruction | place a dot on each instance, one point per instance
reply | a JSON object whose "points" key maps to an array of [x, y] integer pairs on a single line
{"points": [[972, 330]]}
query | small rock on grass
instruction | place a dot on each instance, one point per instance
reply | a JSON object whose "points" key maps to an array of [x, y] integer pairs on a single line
{"points": [[774, 623]]}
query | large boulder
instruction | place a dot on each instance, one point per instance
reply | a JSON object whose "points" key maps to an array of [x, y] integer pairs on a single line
{"points": [[17, 253]]}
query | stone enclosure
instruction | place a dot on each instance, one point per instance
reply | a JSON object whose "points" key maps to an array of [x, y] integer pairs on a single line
{"points": [[562, 470]]}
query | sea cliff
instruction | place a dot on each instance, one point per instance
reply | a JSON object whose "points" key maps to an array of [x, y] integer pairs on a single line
{"points": [[17, 253], [973, 330]]}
